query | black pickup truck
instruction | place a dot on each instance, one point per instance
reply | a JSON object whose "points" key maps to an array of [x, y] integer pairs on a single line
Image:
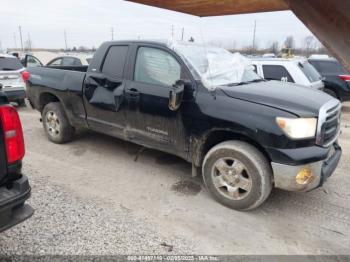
{"points": [[245, 135], [14, 187]]}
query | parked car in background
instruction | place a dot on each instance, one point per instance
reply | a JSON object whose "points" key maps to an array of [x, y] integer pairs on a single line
{"points": [[318, 56], [269, 55], [70, 60], [13, 77], [296, 70], [336, 77], [244, 134], [41, 58], [14, 187]]}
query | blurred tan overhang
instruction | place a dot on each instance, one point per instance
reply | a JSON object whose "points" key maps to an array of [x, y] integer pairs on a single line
{"points": [[216, 8], [329, 20]]}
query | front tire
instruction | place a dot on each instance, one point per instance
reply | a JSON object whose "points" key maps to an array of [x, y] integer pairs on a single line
{"points": [[237, 175], [56, 124]]}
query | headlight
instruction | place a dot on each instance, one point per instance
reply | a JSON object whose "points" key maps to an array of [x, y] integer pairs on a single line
{"points": [[298, 128]]}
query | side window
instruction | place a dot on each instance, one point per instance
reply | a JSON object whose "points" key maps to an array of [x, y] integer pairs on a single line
{"points": [[276, 72], [113, 65], [56, 62], [71, 61], [155, 66]]}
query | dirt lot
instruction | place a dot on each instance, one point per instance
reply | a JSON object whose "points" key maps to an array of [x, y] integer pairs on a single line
{"points": [[91, 197]]}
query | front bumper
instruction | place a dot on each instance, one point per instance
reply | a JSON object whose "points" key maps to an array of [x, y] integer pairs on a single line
{"points": [[13, 210], [14, 95], [285, 175]]}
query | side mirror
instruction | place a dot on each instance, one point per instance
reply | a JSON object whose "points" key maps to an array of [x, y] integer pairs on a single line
{"points": [[176, 94]]}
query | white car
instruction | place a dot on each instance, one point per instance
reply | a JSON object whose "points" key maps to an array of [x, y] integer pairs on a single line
{"points": [[296, 70], [13, 77]]}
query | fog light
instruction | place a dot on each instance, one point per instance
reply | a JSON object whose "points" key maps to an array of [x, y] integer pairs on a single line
{"points": [[304, 176]]}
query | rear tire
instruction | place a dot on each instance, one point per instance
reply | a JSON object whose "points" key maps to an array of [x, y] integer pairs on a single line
{"points": [[56, 124], [237, 175]]}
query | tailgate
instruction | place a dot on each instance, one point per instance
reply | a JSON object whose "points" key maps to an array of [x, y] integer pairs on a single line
{"points": [[13, 210], [10, 78]]}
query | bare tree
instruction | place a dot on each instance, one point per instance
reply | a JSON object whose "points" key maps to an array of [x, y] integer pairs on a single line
{"points": [[309, 45], [83, 49], [289, 42], [275, 47]]}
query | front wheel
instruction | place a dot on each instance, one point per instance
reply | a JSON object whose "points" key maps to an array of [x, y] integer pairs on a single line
{"points": [[237, 175], [56, 124]]}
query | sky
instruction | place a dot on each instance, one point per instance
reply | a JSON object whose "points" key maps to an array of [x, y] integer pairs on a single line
{"points": [[90, 22]]}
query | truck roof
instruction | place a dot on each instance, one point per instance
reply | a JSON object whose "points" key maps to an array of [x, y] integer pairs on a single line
{"points": [[162, 42]]}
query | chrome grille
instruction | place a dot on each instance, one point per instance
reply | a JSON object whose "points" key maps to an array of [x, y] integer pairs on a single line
{"points": [[328, 127]]}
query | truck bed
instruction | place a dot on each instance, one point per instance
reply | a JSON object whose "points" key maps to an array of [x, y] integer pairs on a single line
{"points": [[69, 68]]}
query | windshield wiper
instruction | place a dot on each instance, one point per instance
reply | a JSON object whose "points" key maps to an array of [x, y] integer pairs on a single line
{"points": [[256, 80], [246, 82]]}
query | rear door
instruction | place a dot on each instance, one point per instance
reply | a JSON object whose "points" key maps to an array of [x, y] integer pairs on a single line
{"points": [[150, 122], [103, 92]]}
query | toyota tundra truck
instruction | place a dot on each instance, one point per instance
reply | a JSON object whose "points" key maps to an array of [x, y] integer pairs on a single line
{"points": [[14, 187], [243, 134]]}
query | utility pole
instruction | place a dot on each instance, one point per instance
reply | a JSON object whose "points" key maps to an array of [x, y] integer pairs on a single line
{"points": [[20, 35], [14, 38], [253, 49], [65, 39], [112, 33], [182, 34]]}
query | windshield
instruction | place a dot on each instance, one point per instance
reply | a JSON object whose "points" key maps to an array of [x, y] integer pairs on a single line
{"points": [[309, 71], [329, 67], [9, 64], [216, 66]]}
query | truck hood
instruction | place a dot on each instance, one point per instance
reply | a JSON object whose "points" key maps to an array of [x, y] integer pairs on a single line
{"points": [[295, 99]]}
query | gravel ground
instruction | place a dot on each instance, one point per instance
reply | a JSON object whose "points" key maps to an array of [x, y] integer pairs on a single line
{"points": [[68, 225], [91, 197]]}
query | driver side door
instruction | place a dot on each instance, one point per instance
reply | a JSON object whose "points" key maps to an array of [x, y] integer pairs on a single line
{"points": [[150, 122]]}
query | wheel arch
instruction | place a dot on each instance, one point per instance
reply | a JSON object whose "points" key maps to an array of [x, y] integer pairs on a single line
{"points": [[46, 98], [210, 139]]}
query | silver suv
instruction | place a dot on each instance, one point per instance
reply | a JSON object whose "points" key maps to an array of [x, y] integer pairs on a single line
{"points": [[13, 77]]}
